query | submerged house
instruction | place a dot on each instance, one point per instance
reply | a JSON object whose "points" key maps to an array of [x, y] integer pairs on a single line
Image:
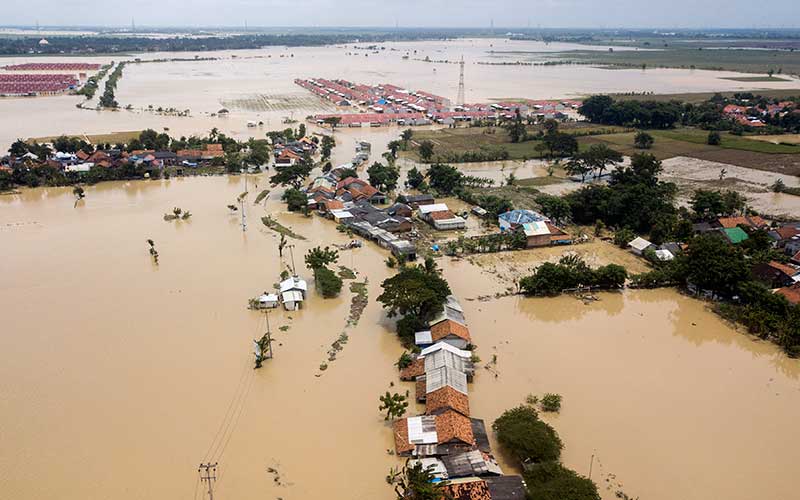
{"points": [[440, 217], [433, 435], [267, 301], [543, 233], [514, 219], [449, 331], [293, 292]]}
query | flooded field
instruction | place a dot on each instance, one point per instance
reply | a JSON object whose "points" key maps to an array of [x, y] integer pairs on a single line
{"points": [[258, 84], [115, 365]]}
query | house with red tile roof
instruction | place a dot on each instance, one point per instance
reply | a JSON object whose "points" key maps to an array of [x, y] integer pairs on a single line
{"points": [[446, 399], [792, 293], [451, 332]]}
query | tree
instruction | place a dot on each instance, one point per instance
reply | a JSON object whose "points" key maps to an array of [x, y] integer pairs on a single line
{"points": [[394, 147], [599, 156], [301, 131], [328, 143], [552, 481], [426, 150], [444, 178], [293, 175], [406, 135], [414, 291], [295, 199], [624, 236], [383, 177], [327, 282], [394, 404], [416, 482], [516, 128], [578, 165], [319, 257], [333, 121], [714, 264], [550, 126], [643, 140], [714, 139], [527, 438], [233, 162], [554, 207], [594, 108], [414, 178], [560, 144], [18, 148]]}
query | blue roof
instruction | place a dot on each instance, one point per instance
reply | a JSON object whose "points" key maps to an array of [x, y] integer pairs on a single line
{"points": [[522, 217]]}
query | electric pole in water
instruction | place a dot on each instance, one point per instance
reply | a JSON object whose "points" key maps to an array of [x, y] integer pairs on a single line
{"points": [[291, 252], [208, 473]]}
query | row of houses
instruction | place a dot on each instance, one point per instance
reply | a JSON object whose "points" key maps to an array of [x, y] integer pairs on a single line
{"points": [[13, 84], [446, 438], [753, 116], [287, 153], [783, 278]]}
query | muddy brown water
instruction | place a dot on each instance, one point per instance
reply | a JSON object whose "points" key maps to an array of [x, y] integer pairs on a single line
{"points": [[116, 369]]}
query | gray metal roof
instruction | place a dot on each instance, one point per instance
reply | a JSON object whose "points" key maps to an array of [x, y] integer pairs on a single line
{"points": [[470, 463], [442, 358], [445, 377]]}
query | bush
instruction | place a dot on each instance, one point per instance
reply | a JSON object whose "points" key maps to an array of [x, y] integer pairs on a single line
{"points": [[623, 237], [553, 481], [714, 139], [526, 437], [407, 326], [643, 140], [405, 360], [295, 199], [551, 402], [328, 283]]}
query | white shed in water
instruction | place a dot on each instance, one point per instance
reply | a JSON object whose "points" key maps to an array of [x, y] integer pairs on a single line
{"points": [[295, 283], [292, 300], [268, 301]]}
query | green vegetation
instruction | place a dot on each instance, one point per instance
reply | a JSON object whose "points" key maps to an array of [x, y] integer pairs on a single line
{"points": [[383, 177], [294, 175], [107, 100], [643, 140], [553, 481], [525, 437], [415, 482], [569, 273], [90, 88], [551, 402], [394, 405], [279, 228], [644, 114], [327, 282], [296, 200], [753, 79]]}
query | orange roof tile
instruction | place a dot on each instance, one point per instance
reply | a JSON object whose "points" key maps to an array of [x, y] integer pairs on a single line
{"points": [[449, 327], [445, 399], [467, 490], [414, 370], [452, 426], [401, 442], [442, 215], [788, 270], [792, 293]]}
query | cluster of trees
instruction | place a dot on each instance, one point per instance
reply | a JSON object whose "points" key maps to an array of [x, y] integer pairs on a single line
{"points": [[107, 100], [383, 177], [572, 272], [536, 445], [446, 179], [416, 293], [643, 114], [294, 175], [634, 198], [595, 160], [327, 281], [489, 243]]}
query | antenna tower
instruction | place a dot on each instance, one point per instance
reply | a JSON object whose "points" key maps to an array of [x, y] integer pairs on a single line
{"points": [[460, 98]]}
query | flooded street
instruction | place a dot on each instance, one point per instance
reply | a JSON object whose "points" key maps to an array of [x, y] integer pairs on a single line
{"points": [[114, 365]]}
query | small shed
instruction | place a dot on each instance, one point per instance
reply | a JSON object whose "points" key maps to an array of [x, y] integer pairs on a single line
{"points": [[423, 338], [664, 255], [268, 301]]}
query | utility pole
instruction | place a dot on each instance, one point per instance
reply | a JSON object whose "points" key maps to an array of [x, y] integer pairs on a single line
{"points": [[591, 463], [241, 203], [208, 474], [291, 252]]}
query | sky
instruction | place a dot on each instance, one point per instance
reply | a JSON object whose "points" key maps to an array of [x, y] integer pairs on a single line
{"points": [[407, 13]]}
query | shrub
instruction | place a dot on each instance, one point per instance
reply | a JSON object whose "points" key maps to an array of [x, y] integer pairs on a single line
{"points": [[623, 237], [714, 139], [643, 140], [526, 437], [551, 402], [553, 481], [328, 283]]}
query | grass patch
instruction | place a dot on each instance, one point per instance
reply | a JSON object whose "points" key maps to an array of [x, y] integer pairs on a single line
{"points": [[263, 194], [729, 141], [698, 97], [280, 228], [540, 181], [346, 273], [109, 138]]}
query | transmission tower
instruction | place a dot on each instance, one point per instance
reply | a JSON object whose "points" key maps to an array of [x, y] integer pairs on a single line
{"points": [[460, 98], [208, 474]]}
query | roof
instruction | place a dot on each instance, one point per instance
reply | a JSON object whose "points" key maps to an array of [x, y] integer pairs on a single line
{"points": [[423, 338], [467, 489], [414, 370], [537, 228], [735, 234], [447, 328], [452, 426], [788, 231], [292, 296], [442, 215], [786, 269], [470, 463], [435, 465], [506, 488], [442, 358], [268, 297], [447, 347], [433, 207], [445, 377], [293, 283], [522, 217], [663, 254], [640, 244], [792, 293], [446, 398]]}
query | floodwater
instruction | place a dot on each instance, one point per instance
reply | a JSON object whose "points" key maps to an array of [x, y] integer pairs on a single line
{"points": [[115, 368], [258, 85]]}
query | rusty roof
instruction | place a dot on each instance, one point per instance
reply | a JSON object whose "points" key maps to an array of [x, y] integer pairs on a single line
{"points": [[468, 489], [442, 215], [401, 442], [792, 294], [414, 370], [447, 398], [452, 426], [447, 328]]}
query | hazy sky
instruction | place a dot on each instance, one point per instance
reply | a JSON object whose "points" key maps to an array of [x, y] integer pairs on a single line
{"points": [[450, 13]]}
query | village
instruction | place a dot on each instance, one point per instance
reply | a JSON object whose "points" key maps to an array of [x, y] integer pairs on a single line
{"points": [[43, 79]]}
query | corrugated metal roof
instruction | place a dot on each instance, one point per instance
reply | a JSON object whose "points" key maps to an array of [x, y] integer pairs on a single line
{"points": [[445, 376], [444, 345], [423, 338], [433, 207], [442, 358], [422, 430]]}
